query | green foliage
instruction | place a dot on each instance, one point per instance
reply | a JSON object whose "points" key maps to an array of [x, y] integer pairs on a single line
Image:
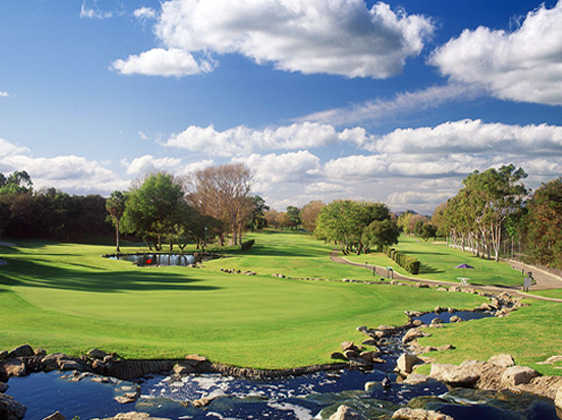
{"points": [[428, 231], [247, 245], [294, 216], [410, 264], [257, 220], [380, 233], [544, 224], [17, 182]]}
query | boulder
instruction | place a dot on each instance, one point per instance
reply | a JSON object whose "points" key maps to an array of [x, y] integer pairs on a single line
{"points": [[412, 334], [436, 321], [417, 322], [348, 345], [407, 361], [3, 355], [3, 387], [369, 356], [10, 409], [337, 356], [558, 398], [128, 397], [180, 369], [351, 354], [22, 351], [455, 318], [196, 358], [55, 416], [345, 413], [419, 414], [13, 367], [51, 361], [370, 386], [65, 364], [369, 342], [416, 378], [97, 354], [502, 360], [455, 375], [517, 375], [201, 402], [40, 352], [445, 347]]}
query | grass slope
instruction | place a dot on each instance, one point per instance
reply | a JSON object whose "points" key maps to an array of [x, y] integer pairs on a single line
{"points": [[439, 262], [65, 297], [530, 334]]}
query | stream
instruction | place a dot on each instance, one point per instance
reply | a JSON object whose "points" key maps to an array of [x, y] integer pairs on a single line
{"points": [[302, 397]]}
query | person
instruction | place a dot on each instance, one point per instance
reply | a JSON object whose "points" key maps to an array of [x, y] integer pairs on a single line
{"points": [[527, 282]]}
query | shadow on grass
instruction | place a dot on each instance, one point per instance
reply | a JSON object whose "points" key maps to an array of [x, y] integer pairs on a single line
{"points": [[422, 253], [428, 269], [33, 274], [272, 251]]}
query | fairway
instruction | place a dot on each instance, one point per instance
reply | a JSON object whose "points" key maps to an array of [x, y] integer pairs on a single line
{"points": [[438, 262], [65, 297]]}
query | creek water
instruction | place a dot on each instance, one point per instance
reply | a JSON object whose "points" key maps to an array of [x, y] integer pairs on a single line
{"points": [[302, 397], [155, 259]]}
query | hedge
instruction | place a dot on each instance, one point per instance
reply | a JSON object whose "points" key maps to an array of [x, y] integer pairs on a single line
{"points": [[410, 264]]}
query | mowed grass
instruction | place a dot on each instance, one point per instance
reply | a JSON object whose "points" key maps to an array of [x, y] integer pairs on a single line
{"points": [[65, 297], [438, 262], [531, 334]]}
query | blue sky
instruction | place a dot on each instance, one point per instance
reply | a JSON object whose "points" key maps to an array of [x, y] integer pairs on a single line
{"points": [[394, 102]]}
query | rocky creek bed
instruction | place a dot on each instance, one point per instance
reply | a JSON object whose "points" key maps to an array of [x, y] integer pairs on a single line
{"points": [[374, 379]]}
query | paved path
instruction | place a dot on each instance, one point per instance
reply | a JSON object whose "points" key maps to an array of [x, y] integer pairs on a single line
{"points": [[381, 271], [544, 279]]}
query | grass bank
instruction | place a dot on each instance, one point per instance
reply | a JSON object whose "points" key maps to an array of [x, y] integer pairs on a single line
{"points": [[438, 262]]}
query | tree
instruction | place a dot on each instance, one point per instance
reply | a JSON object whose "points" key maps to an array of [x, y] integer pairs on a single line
{"points": [[438, 219], [544, 224], [293, 213], [153, 208], [257, 218], [17, 182], [428, 231], [309, 214], [115, 206], [380, 233], [223, 192]]}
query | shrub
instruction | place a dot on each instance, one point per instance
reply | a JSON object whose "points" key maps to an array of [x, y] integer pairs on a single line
{"points": [[245, 246], [410, 264]]}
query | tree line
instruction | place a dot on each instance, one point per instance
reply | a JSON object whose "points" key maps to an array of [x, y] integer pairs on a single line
{"points": [[495, 213]]}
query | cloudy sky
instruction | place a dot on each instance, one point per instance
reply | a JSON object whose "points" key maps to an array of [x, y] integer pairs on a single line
{"points": [[386, 101]]}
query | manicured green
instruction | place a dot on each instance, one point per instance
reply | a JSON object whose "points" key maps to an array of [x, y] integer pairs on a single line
{"points": [[554, 293], [438, 262], [65, 297], [531, 334]]}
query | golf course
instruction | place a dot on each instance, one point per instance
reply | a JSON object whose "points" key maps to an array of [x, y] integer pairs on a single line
{"points": [[67, 298]]}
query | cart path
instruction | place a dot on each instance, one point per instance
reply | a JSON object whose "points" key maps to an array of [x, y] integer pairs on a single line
{"points": [[381, 271]]}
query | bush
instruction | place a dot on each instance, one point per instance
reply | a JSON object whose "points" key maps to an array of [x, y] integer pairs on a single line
{"points": [[247, 245], [410, 264]]}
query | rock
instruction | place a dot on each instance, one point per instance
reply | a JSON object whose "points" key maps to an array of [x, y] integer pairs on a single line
{"points": [[436, 321], [362, 329], [549, 361], [406, 362], [455, 318], [345, 413], [369, 342], [22, 351], [133, 415], [417, 322], [455, 375], [516, 375], [182, 369], [454, 289], [3, 355], [50, 361], [558, 398], [485, 307], [196, 358], [55, 416], [416, 378], [502, 360], [128, 397], [3, 387], [439, 309], [369, 356], [348, 345], [40, 352], [202, 402], [445, 347], [13, 367], [419, 414], [337, 356], [351, 354], [10, 409], [69, 365], [97, 354], [412, 334], [370, 385]]}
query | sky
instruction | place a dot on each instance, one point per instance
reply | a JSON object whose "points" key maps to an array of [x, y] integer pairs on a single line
{"points": [[393, 101]]}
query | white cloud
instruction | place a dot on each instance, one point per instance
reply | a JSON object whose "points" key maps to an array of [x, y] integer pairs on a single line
{"points": [[9, 149], [144, 13], [193, 167], [142, 135], [341, 37], [274, 168], [404, 102], [243, 140], [471, 136], [147, 163], [323, 188], [524, 65], [409, 198], [93, 13], [161, 62], [3, 94]]}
